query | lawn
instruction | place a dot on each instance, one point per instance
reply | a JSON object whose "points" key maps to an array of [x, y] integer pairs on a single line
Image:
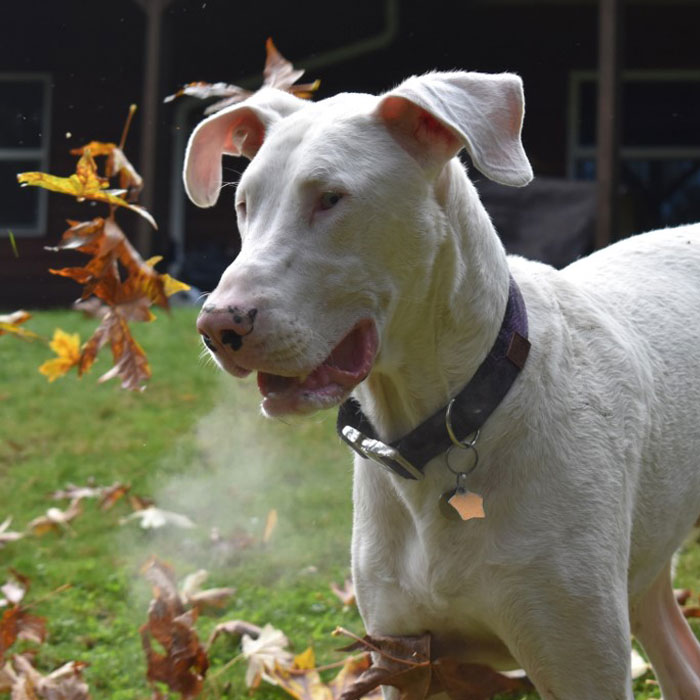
{"points": [[193, 441]]}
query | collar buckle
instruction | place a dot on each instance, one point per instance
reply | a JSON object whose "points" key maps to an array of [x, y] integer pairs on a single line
{"points": [[381, 453]]}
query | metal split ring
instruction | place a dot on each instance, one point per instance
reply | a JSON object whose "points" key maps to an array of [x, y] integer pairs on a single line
{"points": [[461, 444]]}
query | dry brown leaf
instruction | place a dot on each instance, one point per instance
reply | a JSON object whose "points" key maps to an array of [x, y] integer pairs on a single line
{"points": [[184, 663], [278, 73], [405, 663]]}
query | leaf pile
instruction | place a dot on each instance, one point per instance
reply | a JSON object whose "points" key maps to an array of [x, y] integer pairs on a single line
{"points": [[278, 73]]}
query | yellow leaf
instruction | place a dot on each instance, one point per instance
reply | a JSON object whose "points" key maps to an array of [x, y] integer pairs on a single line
{"points": [[172, 286], [10, 323], [67, 347], [85, 183], [306, 660], [152, 262]]}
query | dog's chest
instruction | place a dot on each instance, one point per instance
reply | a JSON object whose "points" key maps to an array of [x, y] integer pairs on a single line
{"points": [[411, 579]]}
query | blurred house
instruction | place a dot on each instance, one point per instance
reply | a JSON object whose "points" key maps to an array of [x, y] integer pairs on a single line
{"points": [[69, 71]]}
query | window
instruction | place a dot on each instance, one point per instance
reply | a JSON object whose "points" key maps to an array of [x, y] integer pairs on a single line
{"points": [[24, 145], [659, 143]]}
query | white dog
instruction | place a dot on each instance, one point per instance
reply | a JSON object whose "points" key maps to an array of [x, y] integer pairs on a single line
{"points": [[369, 266]]}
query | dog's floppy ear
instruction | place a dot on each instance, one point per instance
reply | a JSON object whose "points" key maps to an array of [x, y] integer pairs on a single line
{"points": [[237, 130], [435, 115]]}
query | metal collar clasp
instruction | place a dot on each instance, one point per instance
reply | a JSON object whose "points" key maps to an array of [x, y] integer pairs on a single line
{"points": [[379, 452]]}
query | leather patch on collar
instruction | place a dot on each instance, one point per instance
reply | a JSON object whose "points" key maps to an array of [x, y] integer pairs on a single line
{"points": [[518, 350]]}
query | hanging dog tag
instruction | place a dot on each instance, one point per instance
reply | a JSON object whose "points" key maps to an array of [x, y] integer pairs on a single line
{"points": [[460, 504]]}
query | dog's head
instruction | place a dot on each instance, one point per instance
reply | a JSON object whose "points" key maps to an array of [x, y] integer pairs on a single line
{"points": [[337, 212]]}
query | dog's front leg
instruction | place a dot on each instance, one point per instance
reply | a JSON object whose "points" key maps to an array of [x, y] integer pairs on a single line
{"points": [[572, 646]]}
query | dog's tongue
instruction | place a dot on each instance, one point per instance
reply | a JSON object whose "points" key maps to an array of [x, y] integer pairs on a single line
{"points": [[347, 365]]}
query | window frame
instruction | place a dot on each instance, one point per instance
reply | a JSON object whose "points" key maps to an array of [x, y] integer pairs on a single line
{"points": [[41, 153], [576, 151]]}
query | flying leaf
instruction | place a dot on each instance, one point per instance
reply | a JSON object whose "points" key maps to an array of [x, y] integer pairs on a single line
{"points": [[85, 183], [265, 654], [7, 535], [117, 165], [10, 323], [67, 347], [278, 73]]}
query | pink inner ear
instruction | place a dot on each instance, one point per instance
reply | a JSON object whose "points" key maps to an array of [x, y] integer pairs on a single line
{"points": [[237, 131], [424, 136], [429, 130]]}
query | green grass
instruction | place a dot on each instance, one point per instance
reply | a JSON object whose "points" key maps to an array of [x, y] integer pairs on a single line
{"points": [[194, 441]]}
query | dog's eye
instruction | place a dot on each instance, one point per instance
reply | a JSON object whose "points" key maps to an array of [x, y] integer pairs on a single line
{"points": [[330, 199]]}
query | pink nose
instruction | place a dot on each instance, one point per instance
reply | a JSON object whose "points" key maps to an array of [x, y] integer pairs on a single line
{"points": [[225, 327]]}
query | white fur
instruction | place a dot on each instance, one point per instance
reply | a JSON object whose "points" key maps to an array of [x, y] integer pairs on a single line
{"points": [[590, 467]]}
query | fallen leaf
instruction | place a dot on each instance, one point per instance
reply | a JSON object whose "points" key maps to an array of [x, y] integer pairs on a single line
{"points": [[191, 592], [639, 665], [152, 518], [265, 654], [111, 494], [56, 519], [406, 663], [270, 525], [67, 347], [278, 73], [7, 535], [65, 683], [300, 680], [184, 663], [346, 594], [234, 628], [85, 183], [16, 621]]}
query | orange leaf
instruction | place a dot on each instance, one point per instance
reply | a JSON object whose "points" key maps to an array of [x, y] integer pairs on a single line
{"points": [[278, 73]]}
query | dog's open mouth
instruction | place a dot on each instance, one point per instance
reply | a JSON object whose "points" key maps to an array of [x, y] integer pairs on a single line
{"points": [[329, 383]]}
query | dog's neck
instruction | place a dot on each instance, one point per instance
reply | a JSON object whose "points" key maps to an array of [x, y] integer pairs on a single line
{"points": [[447, 321]]}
